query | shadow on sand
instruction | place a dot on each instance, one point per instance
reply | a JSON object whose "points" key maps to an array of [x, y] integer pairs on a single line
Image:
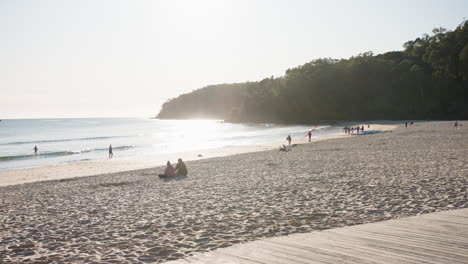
{"points": [[175, 178]]}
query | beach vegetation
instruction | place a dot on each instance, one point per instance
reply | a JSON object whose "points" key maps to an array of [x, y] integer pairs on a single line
{"points": [[428, 79]]}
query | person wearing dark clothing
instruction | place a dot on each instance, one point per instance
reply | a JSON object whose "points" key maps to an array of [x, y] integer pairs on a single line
{"points": [[35, 149], [289, 140], [180, 168], [111, 154]]}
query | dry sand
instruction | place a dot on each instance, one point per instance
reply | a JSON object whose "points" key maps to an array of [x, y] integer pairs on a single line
{"points": [[134, 217]]}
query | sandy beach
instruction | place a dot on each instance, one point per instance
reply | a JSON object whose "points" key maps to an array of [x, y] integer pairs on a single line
{"points": [[117, 164], [135, 217]]}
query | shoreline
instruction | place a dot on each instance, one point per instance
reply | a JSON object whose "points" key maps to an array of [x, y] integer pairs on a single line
{"points": [[97, 167], [135, 217]]}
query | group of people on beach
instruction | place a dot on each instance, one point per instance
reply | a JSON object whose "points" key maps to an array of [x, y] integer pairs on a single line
{"points": [[289, 139], [406, 124], [455, 124], [357, 129], [179, 170]]}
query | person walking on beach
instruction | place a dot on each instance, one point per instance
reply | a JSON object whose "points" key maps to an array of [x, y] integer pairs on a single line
{"points": [[169, 172], [111, 154], [456, 124], [310, 135], [406, 124], [181, 168], [289, 140], [35, 149]]}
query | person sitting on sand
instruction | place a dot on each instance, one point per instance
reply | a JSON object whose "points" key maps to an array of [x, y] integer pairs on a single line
{"points": [[180, 168], [284, 148], [169, 172]]}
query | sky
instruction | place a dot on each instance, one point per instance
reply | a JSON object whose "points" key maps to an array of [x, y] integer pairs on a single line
{"points": [[112, 58]]}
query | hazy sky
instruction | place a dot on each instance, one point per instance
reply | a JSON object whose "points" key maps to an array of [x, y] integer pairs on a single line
{"points": [[103, 58]]}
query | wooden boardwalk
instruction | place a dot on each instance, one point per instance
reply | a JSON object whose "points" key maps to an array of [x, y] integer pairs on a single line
{"points": [[431, 238]]}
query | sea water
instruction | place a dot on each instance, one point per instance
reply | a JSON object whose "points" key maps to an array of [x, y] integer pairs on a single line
{"points": [[62, 141]]}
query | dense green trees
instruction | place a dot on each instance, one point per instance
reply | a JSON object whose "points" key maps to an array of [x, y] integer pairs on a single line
{"points": [[427, 80]]}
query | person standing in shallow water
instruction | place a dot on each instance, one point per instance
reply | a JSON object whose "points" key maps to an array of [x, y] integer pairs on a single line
{"points": [[35, 149], [310, 135], [289, 140], [111, 154]]}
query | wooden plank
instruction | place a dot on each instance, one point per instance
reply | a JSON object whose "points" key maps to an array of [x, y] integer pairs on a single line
{"points": [[387, 250], [214, 257], [309, 253], [424, 233], [349, 252], [432, 238], [432, 227], [261, 255], [375, 250], [409, 247]]}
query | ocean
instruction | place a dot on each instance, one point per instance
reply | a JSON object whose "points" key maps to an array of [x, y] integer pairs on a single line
{"points": [[64, 141]]}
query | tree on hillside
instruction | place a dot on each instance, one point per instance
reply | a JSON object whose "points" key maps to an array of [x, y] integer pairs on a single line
{"points": [[428, 79]]}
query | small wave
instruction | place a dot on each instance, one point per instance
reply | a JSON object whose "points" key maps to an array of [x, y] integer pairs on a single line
{"points": [[46, 154], [58, 140], [115, 148], [57, 154], [123, 147]]}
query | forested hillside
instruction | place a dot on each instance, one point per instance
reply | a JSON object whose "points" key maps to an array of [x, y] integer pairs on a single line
{"points": [[427, 80]]}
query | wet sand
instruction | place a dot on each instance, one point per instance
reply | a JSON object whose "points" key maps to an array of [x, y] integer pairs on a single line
{"points": [[134, 217]]}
